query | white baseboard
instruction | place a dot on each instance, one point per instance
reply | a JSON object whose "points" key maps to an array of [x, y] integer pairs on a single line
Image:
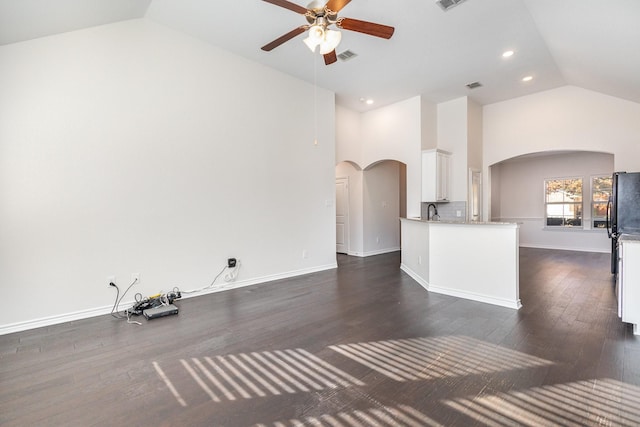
{"points": [[259, 280], [561, 248], [415, 276], [517, 304], [99, 311], [53, 320], [376, 252], [461, 294]]}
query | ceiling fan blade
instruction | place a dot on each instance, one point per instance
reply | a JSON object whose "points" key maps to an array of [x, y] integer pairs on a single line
{"points": [[365, 27], [291, 34], [288, 5], [330, 58], [336, 5]]}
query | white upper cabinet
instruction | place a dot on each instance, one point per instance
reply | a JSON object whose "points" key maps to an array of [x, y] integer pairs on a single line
{"points": [[436, 172]]}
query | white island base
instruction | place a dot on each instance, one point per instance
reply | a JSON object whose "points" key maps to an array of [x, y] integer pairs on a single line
{"points": [[476, 261]]}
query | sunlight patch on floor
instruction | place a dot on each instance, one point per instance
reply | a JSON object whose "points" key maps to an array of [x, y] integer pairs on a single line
{"points": [[401, 415], [439, 357], [249, 375], [603, 402]]}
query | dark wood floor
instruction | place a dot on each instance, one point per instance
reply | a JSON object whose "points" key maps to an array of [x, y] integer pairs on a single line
{"points": [[363, 345]]}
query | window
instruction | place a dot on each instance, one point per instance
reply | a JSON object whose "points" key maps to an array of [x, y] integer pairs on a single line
{"points": [[600, 191], [563, 202]]}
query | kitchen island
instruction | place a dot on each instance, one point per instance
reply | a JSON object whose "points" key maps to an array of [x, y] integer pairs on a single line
{"points": [[472, 260]]}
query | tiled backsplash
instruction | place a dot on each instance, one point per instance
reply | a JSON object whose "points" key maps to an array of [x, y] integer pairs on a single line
{"points": [[448, 211]]}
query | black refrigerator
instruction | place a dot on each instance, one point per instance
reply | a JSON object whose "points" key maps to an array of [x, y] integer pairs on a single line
{"points": [[623, 210]]}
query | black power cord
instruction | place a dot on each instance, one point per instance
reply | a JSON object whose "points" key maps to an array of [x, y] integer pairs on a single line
{"points": [[142, 304], [114, 311]]}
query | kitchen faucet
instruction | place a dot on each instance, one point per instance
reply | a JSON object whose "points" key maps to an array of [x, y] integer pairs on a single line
{"points": [[435, 215]]}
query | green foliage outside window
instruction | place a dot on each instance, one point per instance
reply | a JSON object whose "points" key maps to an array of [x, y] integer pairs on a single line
{"points": [[563, 202], [600, 192]]}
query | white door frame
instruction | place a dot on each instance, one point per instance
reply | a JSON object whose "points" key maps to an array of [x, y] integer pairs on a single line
{"points": [[475, 212], [347, 236]]}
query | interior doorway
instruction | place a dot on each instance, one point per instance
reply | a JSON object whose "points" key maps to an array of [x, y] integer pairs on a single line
{"points": [[475, 195], [369, 203], [342, 215]]}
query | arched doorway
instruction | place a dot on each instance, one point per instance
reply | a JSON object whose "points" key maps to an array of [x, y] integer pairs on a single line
{"points": [[517, 194], [373, 200]]}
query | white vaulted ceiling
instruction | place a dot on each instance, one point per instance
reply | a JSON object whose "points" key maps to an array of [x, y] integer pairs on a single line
{"points": [[594, 44]]}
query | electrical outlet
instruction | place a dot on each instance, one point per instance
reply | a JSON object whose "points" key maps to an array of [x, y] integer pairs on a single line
{"points": [[110, 280], [304, 254], [135, 277], [231, 262]]}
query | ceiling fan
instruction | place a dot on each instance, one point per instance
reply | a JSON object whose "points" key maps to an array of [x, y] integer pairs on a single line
{"points": [[320, 17]]}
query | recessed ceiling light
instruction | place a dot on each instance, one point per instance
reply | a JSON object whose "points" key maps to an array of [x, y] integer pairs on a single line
{"points": [[527, 78], [368, 101], [507, 53]]}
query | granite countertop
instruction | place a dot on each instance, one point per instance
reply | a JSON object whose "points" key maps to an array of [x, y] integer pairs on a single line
{"points": [[448, 222]]}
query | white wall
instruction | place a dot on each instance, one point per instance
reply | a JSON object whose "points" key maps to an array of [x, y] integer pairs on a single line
{"points": [[348, 136], [520, 198], [452, 137], [429, 124], [389, 135], [474, 135], [394, 133], [382, 208], [131, 148], [492, 188], [567, 118]]}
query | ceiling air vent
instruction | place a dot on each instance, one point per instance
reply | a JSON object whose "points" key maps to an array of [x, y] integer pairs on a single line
{"points": [[347, 55], [474, 85], [448, 4]]}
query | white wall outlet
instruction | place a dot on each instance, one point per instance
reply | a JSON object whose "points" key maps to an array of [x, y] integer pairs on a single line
{"points": [[111, 279], [135, 277], [420, 259], [377, 239], [304, 254], [458, 213]]}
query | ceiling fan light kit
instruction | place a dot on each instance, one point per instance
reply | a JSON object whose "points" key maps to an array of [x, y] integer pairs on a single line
{"points": [[327, 39], [319, 17]]}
